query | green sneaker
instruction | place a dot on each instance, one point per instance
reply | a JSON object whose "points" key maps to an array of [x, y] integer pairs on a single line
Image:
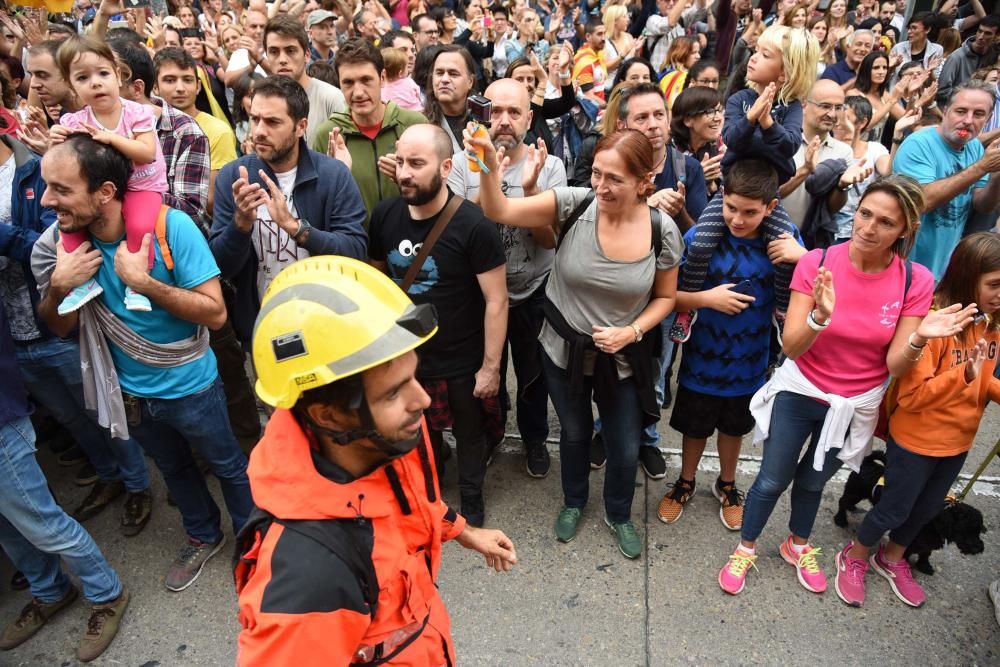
{"points": [[628, 540], [566, 523]]}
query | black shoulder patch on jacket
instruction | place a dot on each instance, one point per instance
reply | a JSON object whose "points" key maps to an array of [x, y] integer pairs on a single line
{"points": [[307, 577]]}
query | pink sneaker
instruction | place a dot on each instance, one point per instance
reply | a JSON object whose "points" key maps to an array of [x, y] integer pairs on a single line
{"points": [[850, 580], [806, 568], [680, 331], [733, 576], [900, 578]]}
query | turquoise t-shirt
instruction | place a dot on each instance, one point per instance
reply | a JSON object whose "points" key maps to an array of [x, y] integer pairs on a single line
{"points": [[193, 265], [926, 157]]}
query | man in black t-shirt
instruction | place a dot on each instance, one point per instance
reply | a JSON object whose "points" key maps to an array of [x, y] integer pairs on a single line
{"points": [[465, 278]]}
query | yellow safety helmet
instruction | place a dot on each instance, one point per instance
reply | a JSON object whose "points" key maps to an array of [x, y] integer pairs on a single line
{"points": [[327, 318]]}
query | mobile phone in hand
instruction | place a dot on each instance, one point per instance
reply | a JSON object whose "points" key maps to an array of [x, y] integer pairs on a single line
{"points": [[744, 287]]}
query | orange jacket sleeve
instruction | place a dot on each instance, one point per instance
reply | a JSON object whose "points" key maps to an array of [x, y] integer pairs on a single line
{"points": [[452, 523], [933, 383]]}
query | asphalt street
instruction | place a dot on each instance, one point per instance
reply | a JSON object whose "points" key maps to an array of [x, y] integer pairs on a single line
{"points": [[580, 603]]}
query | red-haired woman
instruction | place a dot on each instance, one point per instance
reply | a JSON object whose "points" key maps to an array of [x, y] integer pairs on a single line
{"points": [[613, 281]]}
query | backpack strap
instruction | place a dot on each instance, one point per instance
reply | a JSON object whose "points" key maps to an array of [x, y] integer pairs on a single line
{"points": [[679, 162], [574, 216], [656, 243], [160, 232], [908, 270]]}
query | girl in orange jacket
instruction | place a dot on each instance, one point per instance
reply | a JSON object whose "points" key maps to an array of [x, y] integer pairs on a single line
{"points": [[939, 406]]}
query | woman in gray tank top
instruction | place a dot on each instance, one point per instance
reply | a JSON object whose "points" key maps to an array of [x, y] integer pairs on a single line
{"points": [[613, 281]]}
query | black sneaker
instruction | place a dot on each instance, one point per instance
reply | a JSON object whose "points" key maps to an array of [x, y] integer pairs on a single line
{"points": [[86, 475], [135, 515], [652, 462], [597, 456], [189, 563], [71, 457], [102, 495], [536, 460], [474, 510]]}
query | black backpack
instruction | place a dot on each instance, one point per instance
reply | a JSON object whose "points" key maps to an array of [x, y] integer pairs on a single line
{"points": [[656, 242]]}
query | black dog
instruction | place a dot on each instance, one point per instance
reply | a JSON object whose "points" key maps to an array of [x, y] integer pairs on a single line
{"points": [[957, 522]]}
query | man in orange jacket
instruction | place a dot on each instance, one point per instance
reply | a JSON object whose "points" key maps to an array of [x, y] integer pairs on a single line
{"points": [[338, 564]]}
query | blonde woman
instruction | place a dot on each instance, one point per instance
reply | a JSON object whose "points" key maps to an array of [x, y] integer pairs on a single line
{"points": [[620, 45]]}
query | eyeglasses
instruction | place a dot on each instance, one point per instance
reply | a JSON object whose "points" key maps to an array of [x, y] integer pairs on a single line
{"points": [[826, 107], [430, 32], [706, 82], [717, 111]]}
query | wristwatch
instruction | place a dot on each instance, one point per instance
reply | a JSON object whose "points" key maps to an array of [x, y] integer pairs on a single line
{"points": [[638, 331], [303, 227]]}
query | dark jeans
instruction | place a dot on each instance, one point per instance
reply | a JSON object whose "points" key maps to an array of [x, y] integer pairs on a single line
{"points": [[622, 429], [524, 323], [915, 488], [169, 430], [469, 428], [794, 419], [240, 403]]}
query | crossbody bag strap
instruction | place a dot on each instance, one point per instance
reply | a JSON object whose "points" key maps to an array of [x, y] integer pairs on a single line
{"points": [[425, 249]]}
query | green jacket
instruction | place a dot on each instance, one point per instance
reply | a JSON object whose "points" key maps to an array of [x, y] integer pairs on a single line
{"points": [[374, 185]]}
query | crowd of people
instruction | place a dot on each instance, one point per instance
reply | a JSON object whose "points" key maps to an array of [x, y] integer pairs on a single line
{"points": [[385, 204]]}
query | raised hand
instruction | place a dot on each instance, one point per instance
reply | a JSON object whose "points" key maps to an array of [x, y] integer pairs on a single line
{"points": [[855, 174], [337, 148], [946, 322], [975, 363], [533, 167], [712, 166], [762, 106], [247, 197], [812, 154], [823, 293]]}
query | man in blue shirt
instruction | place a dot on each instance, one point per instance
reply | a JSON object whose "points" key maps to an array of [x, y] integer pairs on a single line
{"points": [[172, 396], [844, 72], [956, 173]]}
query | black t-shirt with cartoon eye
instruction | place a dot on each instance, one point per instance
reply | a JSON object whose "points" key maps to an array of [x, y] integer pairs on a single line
{"points": [[470, 245]]}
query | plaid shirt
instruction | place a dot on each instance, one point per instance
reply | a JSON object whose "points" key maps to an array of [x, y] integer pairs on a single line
{"points": [[185, 150]]}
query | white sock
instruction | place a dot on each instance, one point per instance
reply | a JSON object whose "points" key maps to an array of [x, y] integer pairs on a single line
{"points": [[749, 551], [798, 548]]}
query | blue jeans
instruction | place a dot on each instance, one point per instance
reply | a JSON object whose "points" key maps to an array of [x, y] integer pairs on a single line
{"points": [[35, 532], [914, 491], [169, 430], [650, 436], [794, 418], [622, 428], [51, 370]]}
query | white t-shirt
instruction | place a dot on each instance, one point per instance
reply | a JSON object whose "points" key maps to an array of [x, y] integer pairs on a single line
{"points": [[845, 216], [797, 202], [274, 247], [324, 100], [241, 60]]}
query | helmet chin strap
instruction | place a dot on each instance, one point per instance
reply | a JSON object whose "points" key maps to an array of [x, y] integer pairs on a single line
{"points": [[394, 449]]}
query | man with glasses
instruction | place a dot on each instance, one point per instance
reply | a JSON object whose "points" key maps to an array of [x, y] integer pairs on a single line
{"points": [[366, 26], [820, 114], [978, 51], [425, 32]]}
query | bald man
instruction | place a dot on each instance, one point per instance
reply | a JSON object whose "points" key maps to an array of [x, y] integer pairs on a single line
{"points": [[530, 253], [464, 277], [821, 111]]}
